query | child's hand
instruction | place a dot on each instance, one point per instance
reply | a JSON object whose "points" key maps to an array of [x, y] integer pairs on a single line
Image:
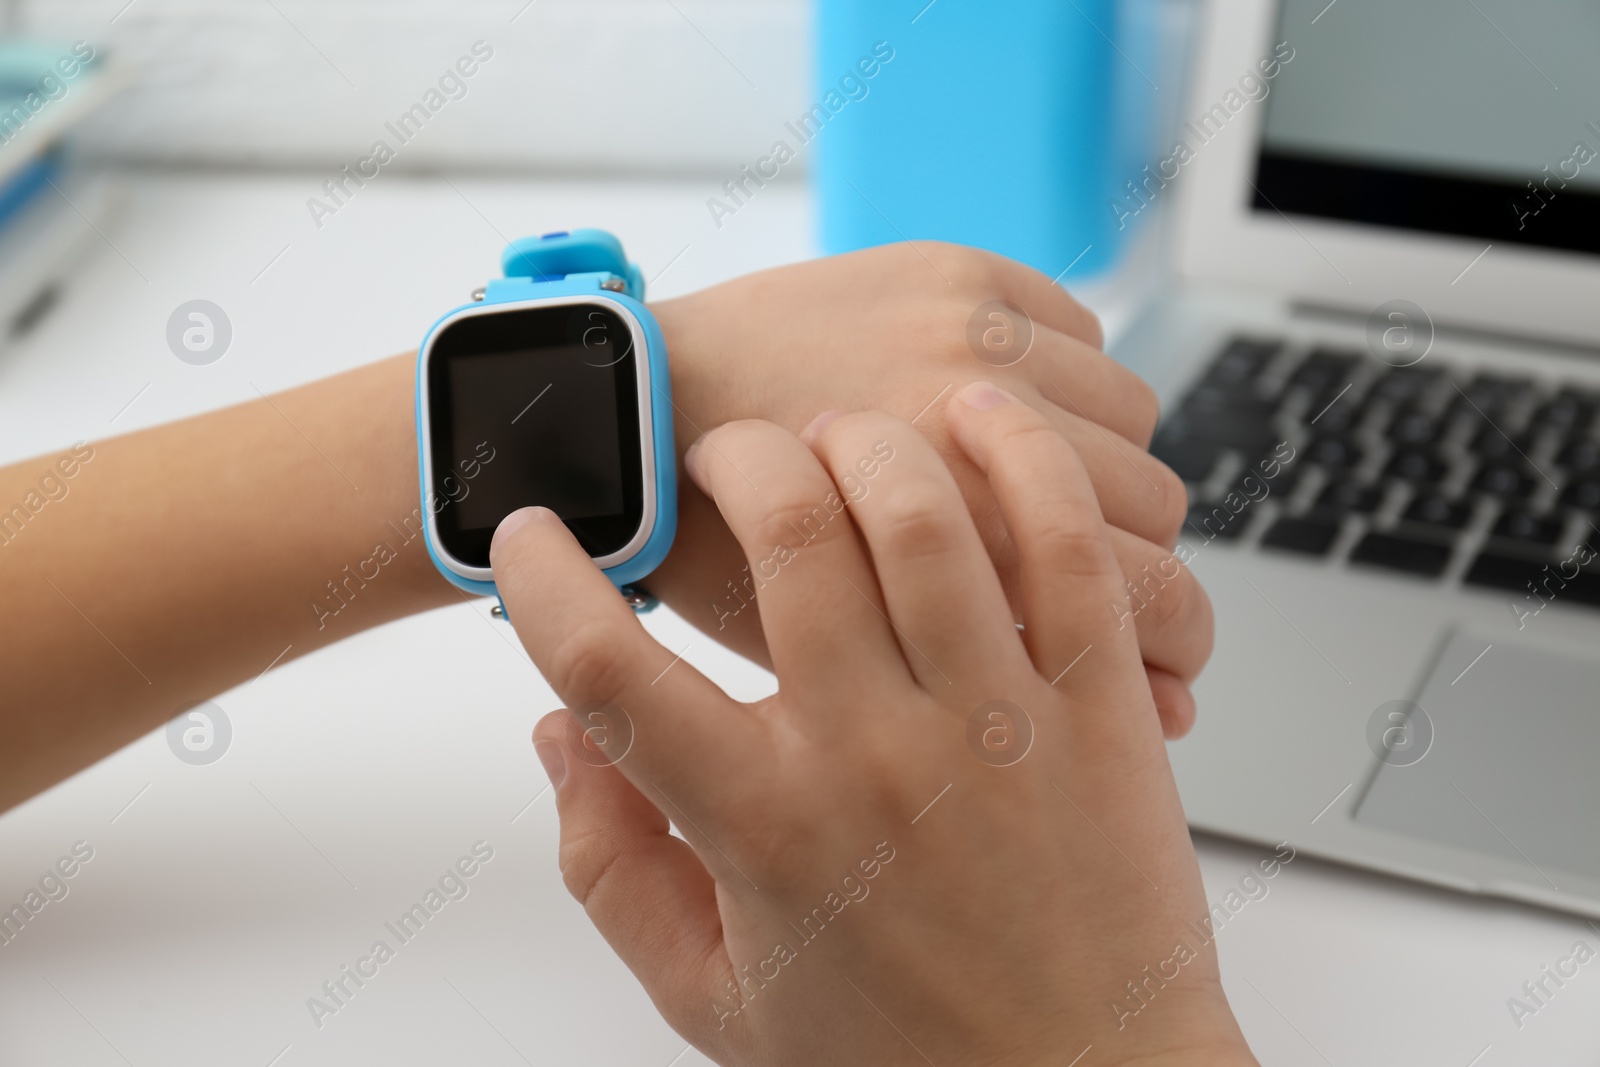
{"points": [[943, 840], [889, 328]]}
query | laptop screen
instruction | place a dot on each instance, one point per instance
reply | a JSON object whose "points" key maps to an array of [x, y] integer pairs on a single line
{"points": [[1479, 118]]}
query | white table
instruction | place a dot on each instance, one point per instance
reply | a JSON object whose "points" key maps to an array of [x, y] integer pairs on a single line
{"points": [[221, 897]]}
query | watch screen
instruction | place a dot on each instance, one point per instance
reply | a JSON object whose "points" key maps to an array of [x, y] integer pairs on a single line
{"points": [[536, 406]]}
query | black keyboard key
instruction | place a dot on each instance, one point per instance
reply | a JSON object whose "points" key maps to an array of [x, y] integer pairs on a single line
{"points": [[1431, 509], [1213, 522], [1519, 524], [1334, 450], [1403, 385], [1416, 465], [1191, 459], [1498, 571], [1570, 410], [1411, 428], [1236, 429], [1237, 400], [1333, 415], [1241, 362], [1346, 496], [1412, 555], [1231, 433], [1491, 444], [1579, 454], [1323, 370], [1549, 581], [1583, 494], [1583, 588], [1312, 535], [1232, 416], [1491, 395], [1506, 479]]}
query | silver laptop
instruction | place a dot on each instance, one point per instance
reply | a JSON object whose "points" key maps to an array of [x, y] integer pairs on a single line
{"points": [[1380, 367]]}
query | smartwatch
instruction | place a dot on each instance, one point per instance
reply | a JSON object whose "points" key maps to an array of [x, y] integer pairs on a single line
{"points": [[550, 389]]}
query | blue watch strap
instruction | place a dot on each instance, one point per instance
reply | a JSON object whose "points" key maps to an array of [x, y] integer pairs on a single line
{"points": [[579, 261]]}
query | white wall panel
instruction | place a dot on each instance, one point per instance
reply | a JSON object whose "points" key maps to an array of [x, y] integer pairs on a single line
{"points": [[574, 85]]}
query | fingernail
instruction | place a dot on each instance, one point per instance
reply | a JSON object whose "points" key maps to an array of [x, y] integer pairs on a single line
{"points": [[815, 427], [554, 760], [514, 522], [693, 464], [980, 396]]}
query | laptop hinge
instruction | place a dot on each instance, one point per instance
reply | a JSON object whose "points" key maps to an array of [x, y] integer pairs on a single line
{"points": [[1556, 346]]}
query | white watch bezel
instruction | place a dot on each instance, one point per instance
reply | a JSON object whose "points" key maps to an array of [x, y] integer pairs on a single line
{"points": [[647, 457]]}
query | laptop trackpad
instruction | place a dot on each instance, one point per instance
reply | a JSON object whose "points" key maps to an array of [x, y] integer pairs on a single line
{"points": [[1511, 767]]}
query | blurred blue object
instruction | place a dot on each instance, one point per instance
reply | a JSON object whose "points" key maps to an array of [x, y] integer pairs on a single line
{"points": [[41, 67], [48, 209], [18, 190], [1012, 125]]}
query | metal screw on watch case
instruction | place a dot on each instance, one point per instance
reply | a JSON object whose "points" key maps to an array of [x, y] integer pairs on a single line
{"points": [[635, 597], [639, 599], [613, 285], [480, 292]]}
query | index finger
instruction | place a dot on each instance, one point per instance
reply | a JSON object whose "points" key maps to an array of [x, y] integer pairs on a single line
{"points": [[666, 723]]}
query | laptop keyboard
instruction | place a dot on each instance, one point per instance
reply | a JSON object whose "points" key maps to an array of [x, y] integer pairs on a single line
{"points": [[1429, 470]]}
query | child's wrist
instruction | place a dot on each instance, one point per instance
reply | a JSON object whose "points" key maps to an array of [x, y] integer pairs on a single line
{"points": [[1193, 1034]]}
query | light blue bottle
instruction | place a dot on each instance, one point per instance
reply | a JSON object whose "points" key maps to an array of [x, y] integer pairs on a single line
{"points": [[1013, 125]]}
